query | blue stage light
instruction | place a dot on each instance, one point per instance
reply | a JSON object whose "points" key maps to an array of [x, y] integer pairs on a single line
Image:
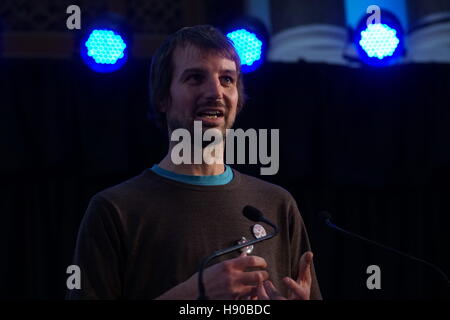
{"points": [[379, 44], [250, 38], [104, 50], [105, 46], [247, 45], [379, 40]]}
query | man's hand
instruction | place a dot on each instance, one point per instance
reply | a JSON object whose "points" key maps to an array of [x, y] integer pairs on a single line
{"points": [[224, 281], [298, 290], [230, 280]]}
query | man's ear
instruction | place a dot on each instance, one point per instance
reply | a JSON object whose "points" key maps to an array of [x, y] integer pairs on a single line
{"points": [[163, 105]]}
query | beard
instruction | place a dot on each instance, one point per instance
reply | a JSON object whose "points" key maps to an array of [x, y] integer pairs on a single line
{"points": [[187, 123]]}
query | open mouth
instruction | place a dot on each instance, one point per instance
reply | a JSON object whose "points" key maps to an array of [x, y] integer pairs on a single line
{"points": [[209, 114]]}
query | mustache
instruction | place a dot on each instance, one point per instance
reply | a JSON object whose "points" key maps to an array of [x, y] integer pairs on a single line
{"points": [[212, 103]]}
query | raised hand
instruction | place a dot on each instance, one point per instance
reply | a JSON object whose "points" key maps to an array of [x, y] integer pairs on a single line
{"points": [[299, 289]]}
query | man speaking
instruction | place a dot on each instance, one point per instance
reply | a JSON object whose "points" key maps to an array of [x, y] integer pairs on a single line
{"points": [[146, 237]]}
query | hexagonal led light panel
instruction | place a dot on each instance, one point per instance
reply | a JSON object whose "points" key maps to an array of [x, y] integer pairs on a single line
{"points": [[247, 45], [379, 40], [104, 50]]}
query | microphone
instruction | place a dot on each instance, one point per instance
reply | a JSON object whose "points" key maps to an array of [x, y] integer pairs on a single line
{"points": [[252, 214], [325, 216]]}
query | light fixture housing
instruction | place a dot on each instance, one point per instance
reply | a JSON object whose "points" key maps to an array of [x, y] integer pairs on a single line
{"points": [[250, 38], [105, 45], [379, 44]]}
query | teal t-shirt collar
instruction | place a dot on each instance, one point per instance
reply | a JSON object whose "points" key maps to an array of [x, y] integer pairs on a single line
{"points": [[215, 180]]}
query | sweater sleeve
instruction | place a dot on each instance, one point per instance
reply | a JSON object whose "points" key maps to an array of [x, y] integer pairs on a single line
{"points": [[300, 244], [99, 252]]}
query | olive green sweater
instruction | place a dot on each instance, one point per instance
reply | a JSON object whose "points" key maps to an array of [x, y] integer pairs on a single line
{"points": [[146, 235]]}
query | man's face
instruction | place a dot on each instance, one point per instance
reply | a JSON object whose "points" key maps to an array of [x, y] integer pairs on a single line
{"points": [[203, 88]]}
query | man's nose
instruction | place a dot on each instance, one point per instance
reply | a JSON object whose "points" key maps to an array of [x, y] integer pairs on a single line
{"points": [[213, 89]]}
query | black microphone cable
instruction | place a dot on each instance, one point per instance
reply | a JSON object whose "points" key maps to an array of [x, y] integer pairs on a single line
{"points": [[250, 213]]}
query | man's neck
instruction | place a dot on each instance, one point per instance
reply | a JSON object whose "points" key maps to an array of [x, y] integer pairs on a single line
{"points": [[191, 169]]}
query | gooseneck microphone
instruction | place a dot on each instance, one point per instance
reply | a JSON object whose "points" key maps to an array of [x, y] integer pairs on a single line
{"points": [[326, 217], [252, 214]]}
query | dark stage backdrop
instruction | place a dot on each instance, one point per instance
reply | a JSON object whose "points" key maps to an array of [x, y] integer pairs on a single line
{"points": [[370, 146]]}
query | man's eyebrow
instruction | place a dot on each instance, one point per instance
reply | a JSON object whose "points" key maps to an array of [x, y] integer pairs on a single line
{"points": [[192, 70], [200, 70], [230, 71]]}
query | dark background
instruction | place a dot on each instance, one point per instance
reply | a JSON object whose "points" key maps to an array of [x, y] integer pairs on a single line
{"points": [[369, 145]]}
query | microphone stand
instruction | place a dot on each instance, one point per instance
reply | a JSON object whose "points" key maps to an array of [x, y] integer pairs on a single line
{"points": [[351, 234]]}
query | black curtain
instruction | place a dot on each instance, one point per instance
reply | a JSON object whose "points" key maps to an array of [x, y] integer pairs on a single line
{"points": [[369, 145]]}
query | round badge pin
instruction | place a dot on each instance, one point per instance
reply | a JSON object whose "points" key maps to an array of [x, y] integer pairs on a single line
{"points": [[258, 231], [247, 249]]}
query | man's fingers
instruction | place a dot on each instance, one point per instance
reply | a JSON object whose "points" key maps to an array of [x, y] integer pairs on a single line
{"points": [[261, 292], [304, 270], [246, 293], [243, 262], [253, 278], [272, 292], [297, 291]]}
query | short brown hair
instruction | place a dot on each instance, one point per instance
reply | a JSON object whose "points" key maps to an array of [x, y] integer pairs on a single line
{"points": [[204, 37]]}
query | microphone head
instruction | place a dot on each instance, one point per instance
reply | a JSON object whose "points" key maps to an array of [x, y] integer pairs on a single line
{"points": [[252, 213], [324, 216]]}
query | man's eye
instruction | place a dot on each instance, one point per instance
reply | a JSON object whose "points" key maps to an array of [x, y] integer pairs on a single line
{"points": [[227, 80], [194, 78]]}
